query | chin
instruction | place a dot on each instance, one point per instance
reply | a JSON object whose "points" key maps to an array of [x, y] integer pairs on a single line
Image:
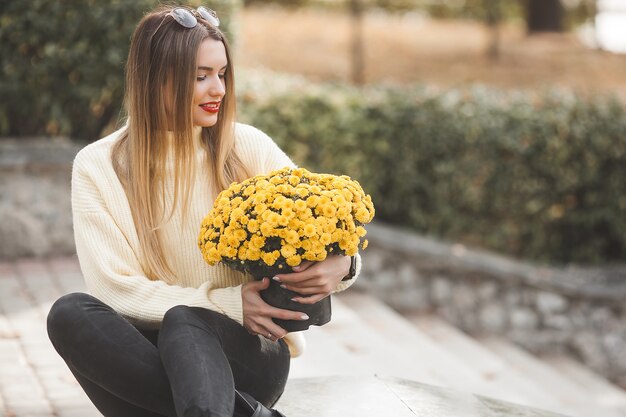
{"points": [[205, 122]]}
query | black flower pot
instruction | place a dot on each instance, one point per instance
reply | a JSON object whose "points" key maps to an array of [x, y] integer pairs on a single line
{"points": [[319, 313]]}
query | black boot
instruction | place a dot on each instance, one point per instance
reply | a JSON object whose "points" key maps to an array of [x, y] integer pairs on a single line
{"points": [[247, 406]]}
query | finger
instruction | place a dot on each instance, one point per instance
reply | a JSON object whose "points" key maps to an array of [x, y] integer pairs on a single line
{"points": [[303, 266], [275, 331], [310, 300], [293, 277], [315, 281], [259, 285], [268, 335], [270, 330], [279, 313], [306, 290]]}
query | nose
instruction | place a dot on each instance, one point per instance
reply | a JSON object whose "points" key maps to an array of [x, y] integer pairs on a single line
{"points": [[217, 88]]}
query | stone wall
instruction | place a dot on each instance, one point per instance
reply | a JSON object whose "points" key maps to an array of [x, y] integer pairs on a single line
{"points": [[574, 310], [35, 197]]}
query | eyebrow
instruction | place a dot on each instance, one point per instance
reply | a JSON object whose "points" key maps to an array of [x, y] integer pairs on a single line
{"points": [[210, 68]]}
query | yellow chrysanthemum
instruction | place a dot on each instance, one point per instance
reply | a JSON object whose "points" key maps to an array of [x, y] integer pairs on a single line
{"points": [[301, 191], [267, 229], [294, 260], [259, 209], [343, 212], [312, 201], [249, 190], [294, 180], [272, 218], [292, 236], [329, 210], [236, 214], [326, 239], [314, 213], [306, 214], [287, 251], [233, 242], [362, 215], [299, 205], [320, 256], [271, 257], [276, 180], [295, 224], [253, 255], [253, 226], [330, 226], [262, 183], [257, 242], [309, 229], [240, 235]]}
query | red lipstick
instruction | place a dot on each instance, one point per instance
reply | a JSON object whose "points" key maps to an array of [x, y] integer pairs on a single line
{"points": [[211, 107]]}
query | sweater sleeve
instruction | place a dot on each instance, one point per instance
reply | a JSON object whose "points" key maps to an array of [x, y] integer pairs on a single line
{"points": [[112, 270]]}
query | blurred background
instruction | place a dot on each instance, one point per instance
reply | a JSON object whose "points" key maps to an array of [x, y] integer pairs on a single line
{"points": [[497, 123], [491, 135]]}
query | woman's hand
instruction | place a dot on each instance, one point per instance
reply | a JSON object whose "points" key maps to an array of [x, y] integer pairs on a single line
{"points": [[257, 314], [315, 280]]}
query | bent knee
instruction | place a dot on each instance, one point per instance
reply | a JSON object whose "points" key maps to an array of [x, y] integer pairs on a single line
{"points": [[182, 314], [65, 311], [178, 314]]}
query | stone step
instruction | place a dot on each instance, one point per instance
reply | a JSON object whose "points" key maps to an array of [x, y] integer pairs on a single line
{"points": [[376, 352], [325, 356], [597, 387], [548, 378], [489, 365], [496, 381], [377, 396], [419, 350]]}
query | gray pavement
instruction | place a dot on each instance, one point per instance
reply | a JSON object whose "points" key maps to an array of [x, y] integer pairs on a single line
{"points": [[34, 381]]}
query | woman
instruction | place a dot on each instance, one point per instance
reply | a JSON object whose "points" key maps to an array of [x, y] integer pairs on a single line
{"points": [[163, 333]]}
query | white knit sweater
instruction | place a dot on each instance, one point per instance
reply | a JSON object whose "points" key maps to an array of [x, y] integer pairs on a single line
{"points": [[108, 247]]}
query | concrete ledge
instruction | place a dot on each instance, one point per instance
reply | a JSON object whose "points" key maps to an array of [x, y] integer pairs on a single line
{"points": [[37, 155], [390, 397], [573, 283]]}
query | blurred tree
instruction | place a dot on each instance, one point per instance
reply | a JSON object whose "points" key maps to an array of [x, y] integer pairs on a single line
{"points": [[62, 63], [493, 15], [544, 16], [357, 43]]}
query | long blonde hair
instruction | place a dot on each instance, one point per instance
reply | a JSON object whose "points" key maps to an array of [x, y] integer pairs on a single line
{"points": [[161, 68]]}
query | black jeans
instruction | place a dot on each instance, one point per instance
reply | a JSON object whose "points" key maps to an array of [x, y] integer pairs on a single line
{"points": [[190, 367]]}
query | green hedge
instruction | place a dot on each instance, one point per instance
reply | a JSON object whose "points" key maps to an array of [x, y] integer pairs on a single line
{"points": [[541, 177], [62, 63]]}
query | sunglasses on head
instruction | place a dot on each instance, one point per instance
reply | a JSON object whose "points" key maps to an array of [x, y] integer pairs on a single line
{"points": [[186, 18]]}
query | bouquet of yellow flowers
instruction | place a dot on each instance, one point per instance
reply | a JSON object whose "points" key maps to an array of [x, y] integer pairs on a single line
{"points": [[268, 224]]}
